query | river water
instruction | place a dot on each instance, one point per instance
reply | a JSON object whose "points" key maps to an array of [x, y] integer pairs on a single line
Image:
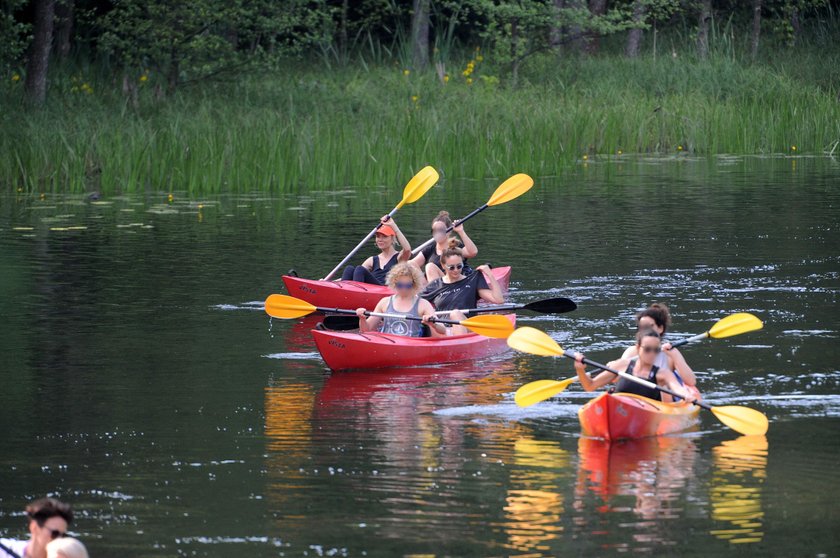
{"points": [[143, 383]]}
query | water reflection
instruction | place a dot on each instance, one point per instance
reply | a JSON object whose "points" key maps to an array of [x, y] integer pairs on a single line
{"points": [[735, 491], [534, 505], [646, 478]]}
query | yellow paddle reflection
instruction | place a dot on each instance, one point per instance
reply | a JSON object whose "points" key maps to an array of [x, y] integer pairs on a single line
{"points": [[735, 491], [534, 504]]}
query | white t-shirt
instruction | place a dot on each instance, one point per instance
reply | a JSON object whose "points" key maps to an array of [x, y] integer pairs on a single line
{"points": [[18, 547]]}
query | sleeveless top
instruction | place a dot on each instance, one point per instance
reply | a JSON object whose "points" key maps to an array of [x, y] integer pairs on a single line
{"points": [[399, 326], [629, 386], [379, 273], [459, 295]]}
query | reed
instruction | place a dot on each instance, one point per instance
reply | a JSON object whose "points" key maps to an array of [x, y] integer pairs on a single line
{"points": [[333, 128]]}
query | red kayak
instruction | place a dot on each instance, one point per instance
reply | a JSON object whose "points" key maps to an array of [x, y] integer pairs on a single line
{"points": [[344, 350], [352, 294], [617, 416]]}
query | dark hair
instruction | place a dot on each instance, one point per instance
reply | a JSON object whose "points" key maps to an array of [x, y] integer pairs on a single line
{"points": [[646, 332], [41, 510], [659, 313], [444, 218], [453, 250]]}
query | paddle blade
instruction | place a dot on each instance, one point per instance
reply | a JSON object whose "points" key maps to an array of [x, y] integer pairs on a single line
{"points": [[284, 306], [540, 390], [419, 185], [531, 340], [493, 325], [742, 419], [735, 324], [511, 189], [551, 306]]}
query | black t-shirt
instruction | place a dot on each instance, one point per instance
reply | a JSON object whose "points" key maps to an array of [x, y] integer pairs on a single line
{"points": [[462, 294]]}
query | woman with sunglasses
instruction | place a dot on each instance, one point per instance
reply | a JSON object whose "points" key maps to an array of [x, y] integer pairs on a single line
{"points": [[48, 520], [405, 280], [428, 259], [657, 317], [648, 347], [375, 268], [459, 291]]}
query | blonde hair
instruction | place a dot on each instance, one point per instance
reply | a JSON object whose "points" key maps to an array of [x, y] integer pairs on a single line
{"points": [[66, 547], [403, 269]]}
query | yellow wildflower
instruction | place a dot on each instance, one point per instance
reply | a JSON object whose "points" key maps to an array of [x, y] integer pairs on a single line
{"points": [[15, 77], [415, 98], [619, 152], [144, 78], [479, 58], [793, 148], [586, 157], [445, 78], [469, 81], [406, 72], [679, 148]]}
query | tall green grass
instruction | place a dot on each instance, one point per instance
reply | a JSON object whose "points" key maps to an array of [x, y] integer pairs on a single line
{"points": [[328, 128]]}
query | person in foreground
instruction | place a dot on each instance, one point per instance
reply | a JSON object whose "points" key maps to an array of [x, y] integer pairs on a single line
{"points": [[405, 280], [648, 347], [657, 317], [456, 291], [48, 520], [429, 259], [66, 547], [374, 269]]}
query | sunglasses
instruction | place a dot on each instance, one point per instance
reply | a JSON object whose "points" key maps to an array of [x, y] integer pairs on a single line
{"points": [[651, 349], [401, 285], [454, 267]]}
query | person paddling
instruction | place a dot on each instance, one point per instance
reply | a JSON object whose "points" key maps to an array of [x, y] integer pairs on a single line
{"points": [[657, 317], [374, 269], [455, 290], [648, 346], [428, 260], [405, 280]]}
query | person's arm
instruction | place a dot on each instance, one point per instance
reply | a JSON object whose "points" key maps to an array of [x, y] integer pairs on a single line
{"points": [[679, 364], [630, 352], [370, 323], [470, 250], [405, 247], [428, 311], [368, 263], [668, 380], [419, 261], [588, 383], [494, 293]]}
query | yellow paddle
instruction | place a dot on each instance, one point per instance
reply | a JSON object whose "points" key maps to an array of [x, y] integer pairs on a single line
{"points": [[508, 190], [741, 419], [414, 190], [286, 307], [734, 324]]}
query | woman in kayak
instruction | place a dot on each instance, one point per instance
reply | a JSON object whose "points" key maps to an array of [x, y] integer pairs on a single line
{"points": [[457, 290], [406, 281], [648, 346], [428, 259], [657, 317], [375, 268]]}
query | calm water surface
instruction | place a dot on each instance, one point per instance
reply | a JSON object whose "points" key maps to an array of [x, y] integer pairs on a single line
{"points": [[142, 382]]}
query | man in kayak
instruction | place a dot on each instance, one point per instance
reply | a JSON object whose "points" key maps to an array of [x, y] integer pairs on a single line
{"points": [[428, 260], [48, 520], [657, 317], [405, 280], [374, 269], [457, 291], [648, 346]]}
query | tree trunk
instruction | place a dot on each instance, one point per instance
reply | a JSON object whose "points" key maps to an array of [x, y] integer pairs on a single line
{"points": [[575, 33], [39, 52], [756, 28], [514, 50], [593, 40], [342, 35], [64, 19], [420, 34], [634, 37], [703, 19], [795, 25]]}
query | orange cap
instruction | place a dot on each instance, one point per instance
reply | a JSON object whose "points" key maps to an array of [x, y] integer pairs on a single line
{"points": [[386, 230]]}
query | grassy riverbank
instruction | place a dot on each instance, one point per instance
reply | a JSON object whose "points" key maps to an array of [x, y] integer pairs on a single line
{"points": [[332, 128]]}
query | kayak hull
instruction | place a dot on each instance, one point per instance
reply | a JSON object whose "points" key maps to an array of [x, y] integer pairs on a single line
{"points": [[619, 416], [352, 294], [343, 350]]}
